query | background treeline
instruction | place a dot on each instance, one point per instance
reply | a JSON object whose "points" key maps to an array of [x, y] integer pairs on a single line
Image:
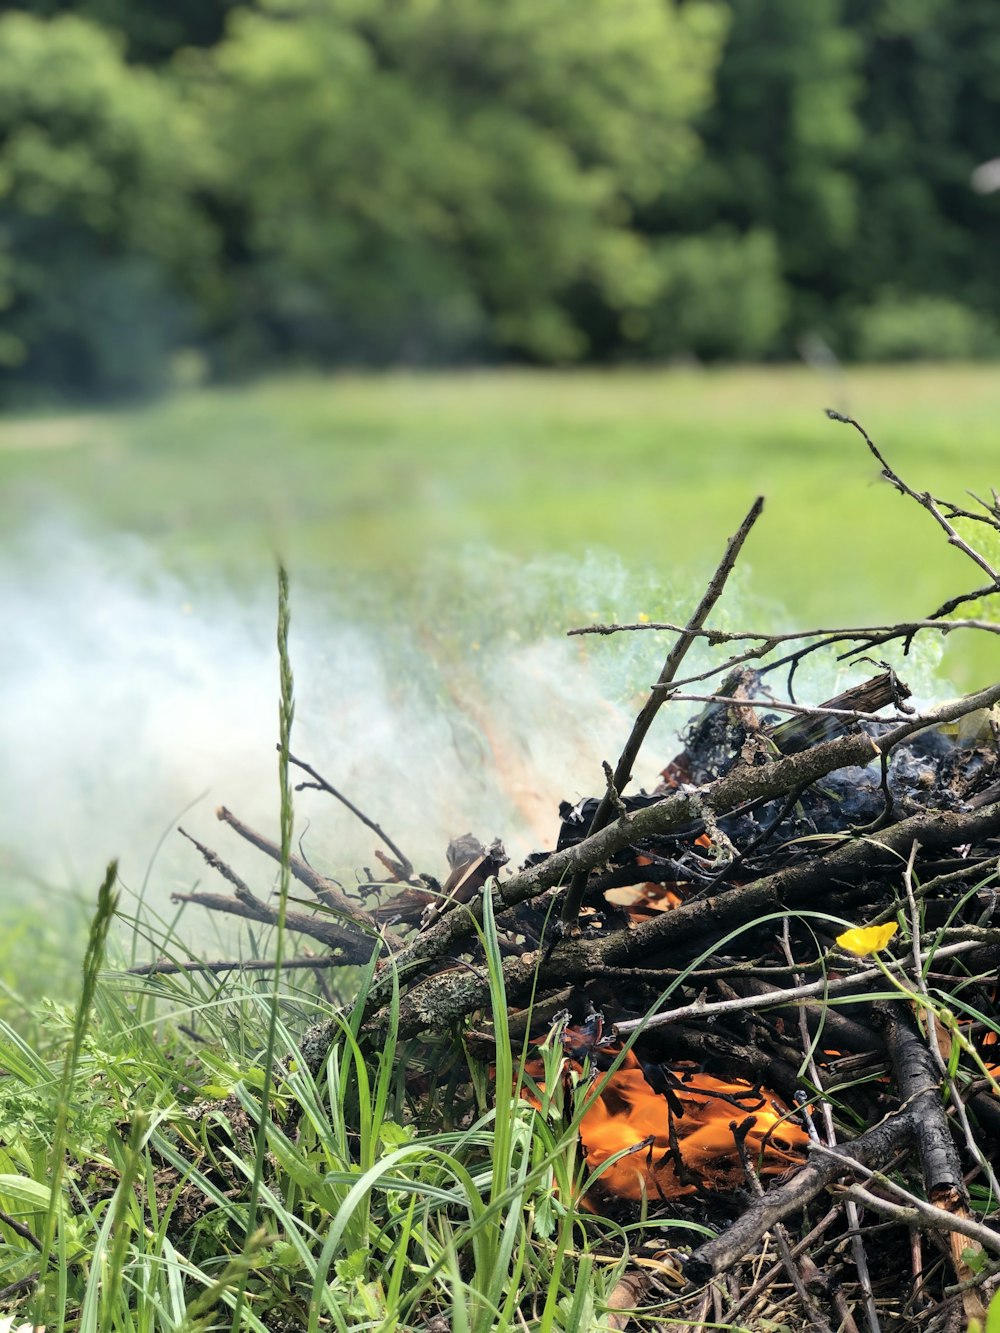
{"points": [[213, 187]]}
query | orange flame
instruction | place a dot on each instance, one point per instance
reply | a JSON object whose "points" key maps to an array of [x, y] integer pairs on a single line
{"points": [[683, 1141]]}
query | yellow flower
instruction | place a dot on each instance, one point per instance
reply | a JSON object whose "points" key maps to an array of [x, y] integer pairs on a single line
{"points": [[643, 618], [863, 940]]}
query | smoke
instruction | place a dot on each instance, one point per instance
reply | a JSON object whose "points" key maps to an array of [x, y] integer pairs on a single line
{"points": [[133, 698]]}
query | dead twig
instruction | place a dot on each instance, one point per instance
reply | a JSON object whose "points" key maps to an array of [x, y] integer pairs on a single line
{"points": [[324, 889], [171, 967], [351, 945], [640, 728], [925, 500], [319, 783]]}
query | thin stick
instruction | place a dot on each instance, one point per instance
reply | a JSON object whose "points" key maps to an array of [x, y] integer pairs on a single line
{"points": [[698, 1009], [657, 697], [320, 784], [215, 861], [324, 889], [924, 499], [163, 967], [717, 636], [849, 714], [916, 1212], [356, 947], [760, 1286]]}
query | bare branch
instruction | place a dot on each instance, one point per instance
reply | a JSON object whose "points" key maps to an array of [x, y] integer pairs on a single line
{"points": [[321, 784], [640, 728], [922, 498]]}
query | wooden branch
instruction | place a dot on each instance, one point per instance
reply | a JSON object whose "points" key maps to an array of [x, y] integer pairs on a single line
{"points": [[324, 889], [780, 706], [681, 810], [319, 782], [798, 884], [919, 1082], [168, 967], [922, 498], [657, 697], [717, 636], [767, 997], [919, 1213], [216, 863], [877, 1145], [355, 947], [449, 996]]}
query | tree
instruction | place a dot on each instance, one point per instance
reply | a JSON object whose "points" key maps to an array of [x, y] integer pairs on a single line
{"points": [[104, 252], [152, 31], [781, 136], [926, 240], [417, 177]]}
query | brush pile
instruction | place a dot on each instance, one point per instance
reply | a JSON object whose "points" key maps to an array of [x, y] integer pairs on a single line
{"points": [[776, 974]]}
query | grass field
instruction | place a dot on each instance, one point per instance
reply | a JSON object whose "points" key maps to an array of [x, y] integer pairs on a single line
{"points": [[410, 1196], [389, 476]]}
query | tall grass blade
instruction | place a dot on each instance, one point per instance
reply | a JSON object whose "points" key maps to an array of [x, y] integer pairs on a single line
{"points": [[107, 900], [286, 713]]}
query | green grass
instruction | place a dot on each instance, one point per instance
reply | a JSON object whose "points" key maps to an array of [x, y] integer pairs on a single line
{"points": [[384, 1188], [376, 479], [133, 1144]]}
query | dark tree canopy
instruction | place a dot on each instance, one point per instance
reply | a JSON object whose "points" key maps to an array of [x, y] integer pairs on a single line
{"points": [[356, 181]]}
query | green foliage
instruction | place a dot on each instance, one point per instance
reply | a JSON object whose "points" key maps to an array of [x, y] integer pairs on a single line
{"points": [[780, 137], [929, 109], [153, 31], [721, 295], [415, 179], [220, 186], [101, 246], [909, 328]]}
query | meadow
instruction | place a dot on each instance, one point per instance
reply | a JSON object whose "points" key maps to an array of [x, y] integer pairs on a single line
{"points": [[380, 477], [407, 1197]]}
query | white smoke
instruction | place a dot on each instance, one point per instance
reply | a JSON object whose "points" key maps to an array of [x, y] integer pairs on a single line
{"points": [[132, 699]]}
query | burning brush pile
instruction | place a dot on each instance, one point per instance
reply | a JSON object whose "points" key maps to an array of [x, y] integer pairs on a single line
{"points": [[775, 975]]}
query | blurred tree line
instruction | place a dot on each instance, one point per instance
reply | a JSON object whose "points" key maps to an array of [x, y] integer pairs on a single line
{"points": [[219, 187]]}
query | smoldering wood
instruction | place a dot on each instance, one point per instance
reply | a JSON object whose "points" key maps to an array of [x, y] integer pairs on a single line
{"points": [[877, 1145], [919, 1083], [683, 810], [640, 728], [700, 985]]}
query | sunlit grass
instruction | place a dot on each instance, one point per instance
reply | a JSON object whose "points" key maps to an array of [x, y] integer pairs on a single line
{"points": [[375, 1207], [384, 476]]}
